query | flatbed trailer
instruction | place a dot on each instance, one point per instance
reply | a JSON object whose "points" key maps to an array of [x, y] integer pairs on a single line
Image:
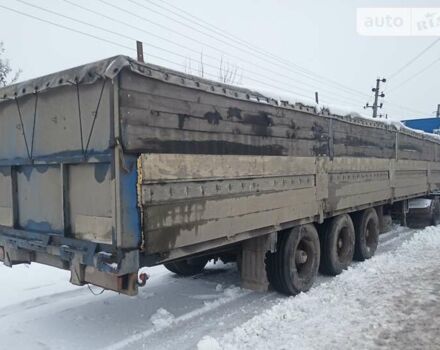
{"points": [[116, 165]]}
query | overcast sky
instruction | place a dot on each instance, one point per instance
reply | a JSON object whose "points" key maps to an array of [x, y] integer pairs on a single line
{"points": [[317, 35]]}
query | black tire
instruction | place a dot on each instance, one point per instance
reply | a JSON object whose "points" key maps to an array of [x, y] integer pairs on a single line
{"points": [[187, 267], [293, 268], [420, 217], [366, 224], [435, 218], [337, 245]]}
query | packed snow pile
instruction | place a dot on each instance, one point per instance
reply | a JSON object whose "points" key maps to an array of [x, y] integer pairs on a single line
{"points": [[390, 301], [162, 318]]}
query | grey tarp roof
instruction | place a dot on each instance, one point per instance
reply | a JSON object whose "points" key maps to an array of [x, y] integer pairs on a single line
{"points": [[85, 74], [90, 73], [111, 67]]}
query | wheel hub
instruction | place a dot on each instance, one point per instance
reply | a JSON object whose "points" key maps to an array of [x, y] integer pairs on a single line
{"points": [[301, 257], [340, 243]]}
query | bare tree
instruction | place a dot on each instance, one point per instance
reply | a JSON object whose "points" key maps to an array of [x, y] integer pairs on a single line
{"points": [[228, 73], [7, 75], [188, 66], [201, 66]]}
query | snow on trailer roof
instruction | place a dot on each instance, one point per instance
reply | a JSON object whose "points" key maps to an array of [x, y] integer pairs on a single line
{"points": [[111, 67]]}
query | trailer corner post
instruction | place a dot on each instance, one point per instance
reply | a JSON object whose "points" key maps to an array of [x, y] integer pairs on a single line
{"points": [[253, 267]]}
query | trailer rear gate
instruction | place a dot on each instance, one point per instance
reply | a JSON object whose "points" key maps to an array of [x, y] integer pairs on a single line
{"points": [[117, 164]]}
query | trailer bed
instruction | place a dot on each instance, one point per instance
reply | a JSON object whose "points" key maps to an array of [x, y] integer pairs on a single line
{"points": [[115, 165]]}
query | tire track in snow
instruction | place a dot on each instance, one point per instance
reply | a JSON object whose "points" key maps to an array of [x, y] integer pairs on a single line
{"points": [[208, 307]]}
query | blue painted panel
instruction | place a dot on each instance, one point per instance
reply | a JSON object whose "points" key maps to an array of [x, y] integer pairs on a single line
{"points": [[130, 213], [425, 124]]}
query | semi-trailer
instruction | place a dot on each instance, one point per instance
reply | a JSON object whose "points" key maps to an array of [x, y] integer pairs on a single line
{"points": [[116, 165]]}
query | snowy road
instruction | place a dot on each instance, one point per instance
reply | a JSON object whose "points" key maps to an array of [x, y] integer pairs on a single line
{"points": [[391, 300]]}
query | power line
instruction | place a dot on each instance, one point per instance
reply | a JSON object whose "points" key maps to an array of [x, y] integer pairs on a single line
{"points": [[115, 43], [151, 45], [110, 41], [66, 28], [238, 58], [415, 58], [133, 39], [88, 34], [330, 92], [222, 32], [84, 33], [201, 20], [423, 70]]}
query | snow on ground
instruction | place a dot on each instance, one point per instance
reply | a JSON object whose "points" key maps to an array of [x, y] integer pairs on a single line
{"points": [[391, 301], [24, 282], [40, 310]]}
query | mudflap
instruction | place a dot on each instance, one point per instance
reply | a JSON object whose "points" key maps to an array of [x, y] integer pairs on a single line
{"points": [[253, 266]]}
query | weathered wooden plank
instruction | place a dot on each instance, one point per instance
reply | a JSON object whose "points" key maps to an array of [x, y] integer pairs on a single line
{"points": [[164, 239], [411, 165], [411, 181], [193, 211], [353, 201], [210, 124], [414, 148], [353, 189], [133, 82], [146, 139], [359, 141], [251, 114], [154, 193], [364, 152], [352, 164], [166, 167], [410, 190]]}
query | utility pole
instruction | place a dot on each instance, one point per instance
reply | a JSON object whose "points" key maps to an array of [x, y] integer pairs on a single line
{"points": [[377, 94], [438, 111], [140, 51]]}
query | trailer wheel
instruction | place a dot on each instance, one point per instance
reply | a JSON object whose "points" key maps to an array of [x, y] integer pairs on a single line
{"points": [[292, 269], [367, 234], [435, 212], [188, 267], [337, 245], [424, 212]]}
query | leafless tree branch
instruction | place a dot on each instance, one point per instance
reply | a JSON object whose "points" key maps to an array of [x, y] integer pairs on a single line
{"points": [[6, 71]]}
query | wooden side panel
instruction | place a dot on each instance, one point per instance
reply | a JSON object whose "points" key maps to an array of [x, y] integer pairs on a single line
{"points": [[410, 177], [215, 166], [203, 220], [160, 167], [351, 140], [357, 181], [158, 117], [414, 148], [161, 117], [189, 199]]}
